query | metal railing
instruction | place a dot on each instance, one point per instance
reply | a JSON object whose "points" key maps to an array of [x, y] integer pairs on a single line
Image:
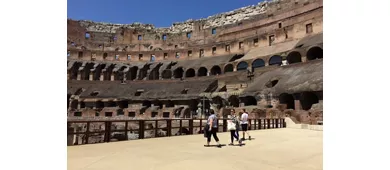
{"points": [[98, 131]]}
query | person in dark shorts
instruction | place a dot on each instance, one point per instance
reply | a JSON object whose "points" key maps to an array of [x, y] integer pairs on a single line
{"points": [[212, 128], [244, 124]]}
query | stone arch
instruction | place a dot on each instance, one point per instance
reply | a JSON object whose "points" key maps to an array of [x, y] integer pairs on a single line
{"points": [[258, 63], [74, 70], [178, 73], [234, 101], [314, 53], [249, 101], [242, 65], [132, 73], [218, 101], [294, 57], [275, 60], [215, 70], [307, 99], [143, 72], [155, 73], [166, 74], [190, 72], [74, 104], [287, 99], [228, 68], [202, 72]]}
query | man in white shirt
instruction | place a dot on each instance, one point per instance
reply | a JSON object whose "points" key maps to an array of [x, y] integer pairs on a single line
{"points": [[244, 124]]}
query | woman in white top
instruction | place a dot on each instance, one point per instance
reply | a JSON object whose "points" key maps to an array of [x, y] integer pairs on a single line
{"points": [[233, 126]]}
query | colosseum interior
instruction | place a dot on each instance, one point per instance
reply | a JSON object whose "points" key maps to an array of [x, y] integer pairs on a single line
{"points": [[266, 58]]}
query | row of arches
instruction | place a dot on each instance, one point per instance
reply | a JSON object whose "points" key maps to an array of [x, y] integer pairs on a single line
{"points": [[142, 73]]}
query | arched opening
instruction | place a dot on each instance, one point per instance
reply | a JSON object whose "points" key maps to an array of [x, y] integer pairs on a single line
{"points": [[228, 68], [275, 60], [98, 71], [178, 73], [169, 103], [74, 104], [166, 74], [143, 72], [249, 101], [287, 99], [242, 66], [307, 99], [147, 103], [190, 73], [123, 104], [202, 72], [132, 73], [314, 53], [294, 57], [108, 72], [258, 63], [234, 101], [154, 74], [86, 71], [218, 102], [215, 70], [99, 105]]}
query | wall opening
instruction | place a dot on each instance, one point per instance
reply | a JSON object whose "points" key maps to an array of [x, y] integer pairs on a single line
{"points": [[78, 114], [87, 35], [165, 114], [166, 74], [201, 53], [178, 73], [99, 105], [294, 57], [307, 99], [154, 114], [272, 83], [177, 55], [213, 31], [240, 45], [169, 103], [133, 73], [123, 104], [108, 114], [228, 68], [165, 55], [152, 58], [190, 73], [314, 53], [258, 63], [214, 50], [116, 57], [271, 39], [82, 105], [242, 66], [164, 37], [80, 54], [275, 60], [309, 28], [139, 37], [189, 53], [255, 41], [227, 48], [128, 57], [202, 72], [287, 99], [147, 103], [215, 70], [234, 101], [249, 101], [140, 56], [188, 35], [131, 114], [68, 55], [280, 25]]}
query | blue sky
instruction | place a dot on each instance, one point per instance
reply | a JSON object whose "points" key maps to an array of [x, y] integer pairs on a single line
{"points": [[161, 13]]}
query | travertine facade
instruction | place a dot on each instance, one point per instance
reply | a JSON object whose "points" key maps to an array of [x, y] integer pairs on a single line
{"points": [[266, 58]]}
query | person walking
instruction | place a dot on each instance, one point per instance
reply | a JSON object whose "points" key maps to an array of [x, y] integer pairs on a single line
{"points": [[233, 127], [244, 124], [212, 125]]}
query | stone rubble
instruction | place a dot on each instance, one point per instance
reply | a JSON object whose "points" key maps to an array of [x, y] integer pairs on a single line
{"points": [[217, 20]]}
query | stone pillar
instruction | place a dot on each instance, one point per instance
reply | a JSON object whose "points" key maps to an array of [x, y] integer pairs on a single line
{"points": [[208, 73], [112, 76], [304, 59], [234, 68], [102, 76], [297, 102], [91, 76], [78, 75]]}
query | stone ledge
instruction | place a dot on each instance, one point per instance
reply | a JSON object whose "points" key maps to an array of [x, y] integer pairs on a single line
{"points": [[292, 125]]}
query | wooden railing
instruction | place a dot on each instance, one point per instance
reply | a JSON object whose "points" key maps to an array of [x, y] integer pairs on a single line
{"points": [[98, 131]]}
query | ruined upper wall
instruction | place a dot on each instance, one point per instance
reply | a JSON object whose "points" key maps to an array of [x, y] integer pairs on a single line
{"points": [[218, 20]]}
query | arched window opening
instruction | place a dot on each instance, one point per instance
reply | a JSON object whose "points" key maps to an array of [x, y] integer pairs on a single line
{"points": [[190, 73], [294, 57], [287, 99], [228, 68], [249, 101], [275, 60], [132, 73], [178, 73], [234, 101], [314, 53], [242, 66], [167, 74], [215, 70], [202, 72], [307, 100], [258, 63]]}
